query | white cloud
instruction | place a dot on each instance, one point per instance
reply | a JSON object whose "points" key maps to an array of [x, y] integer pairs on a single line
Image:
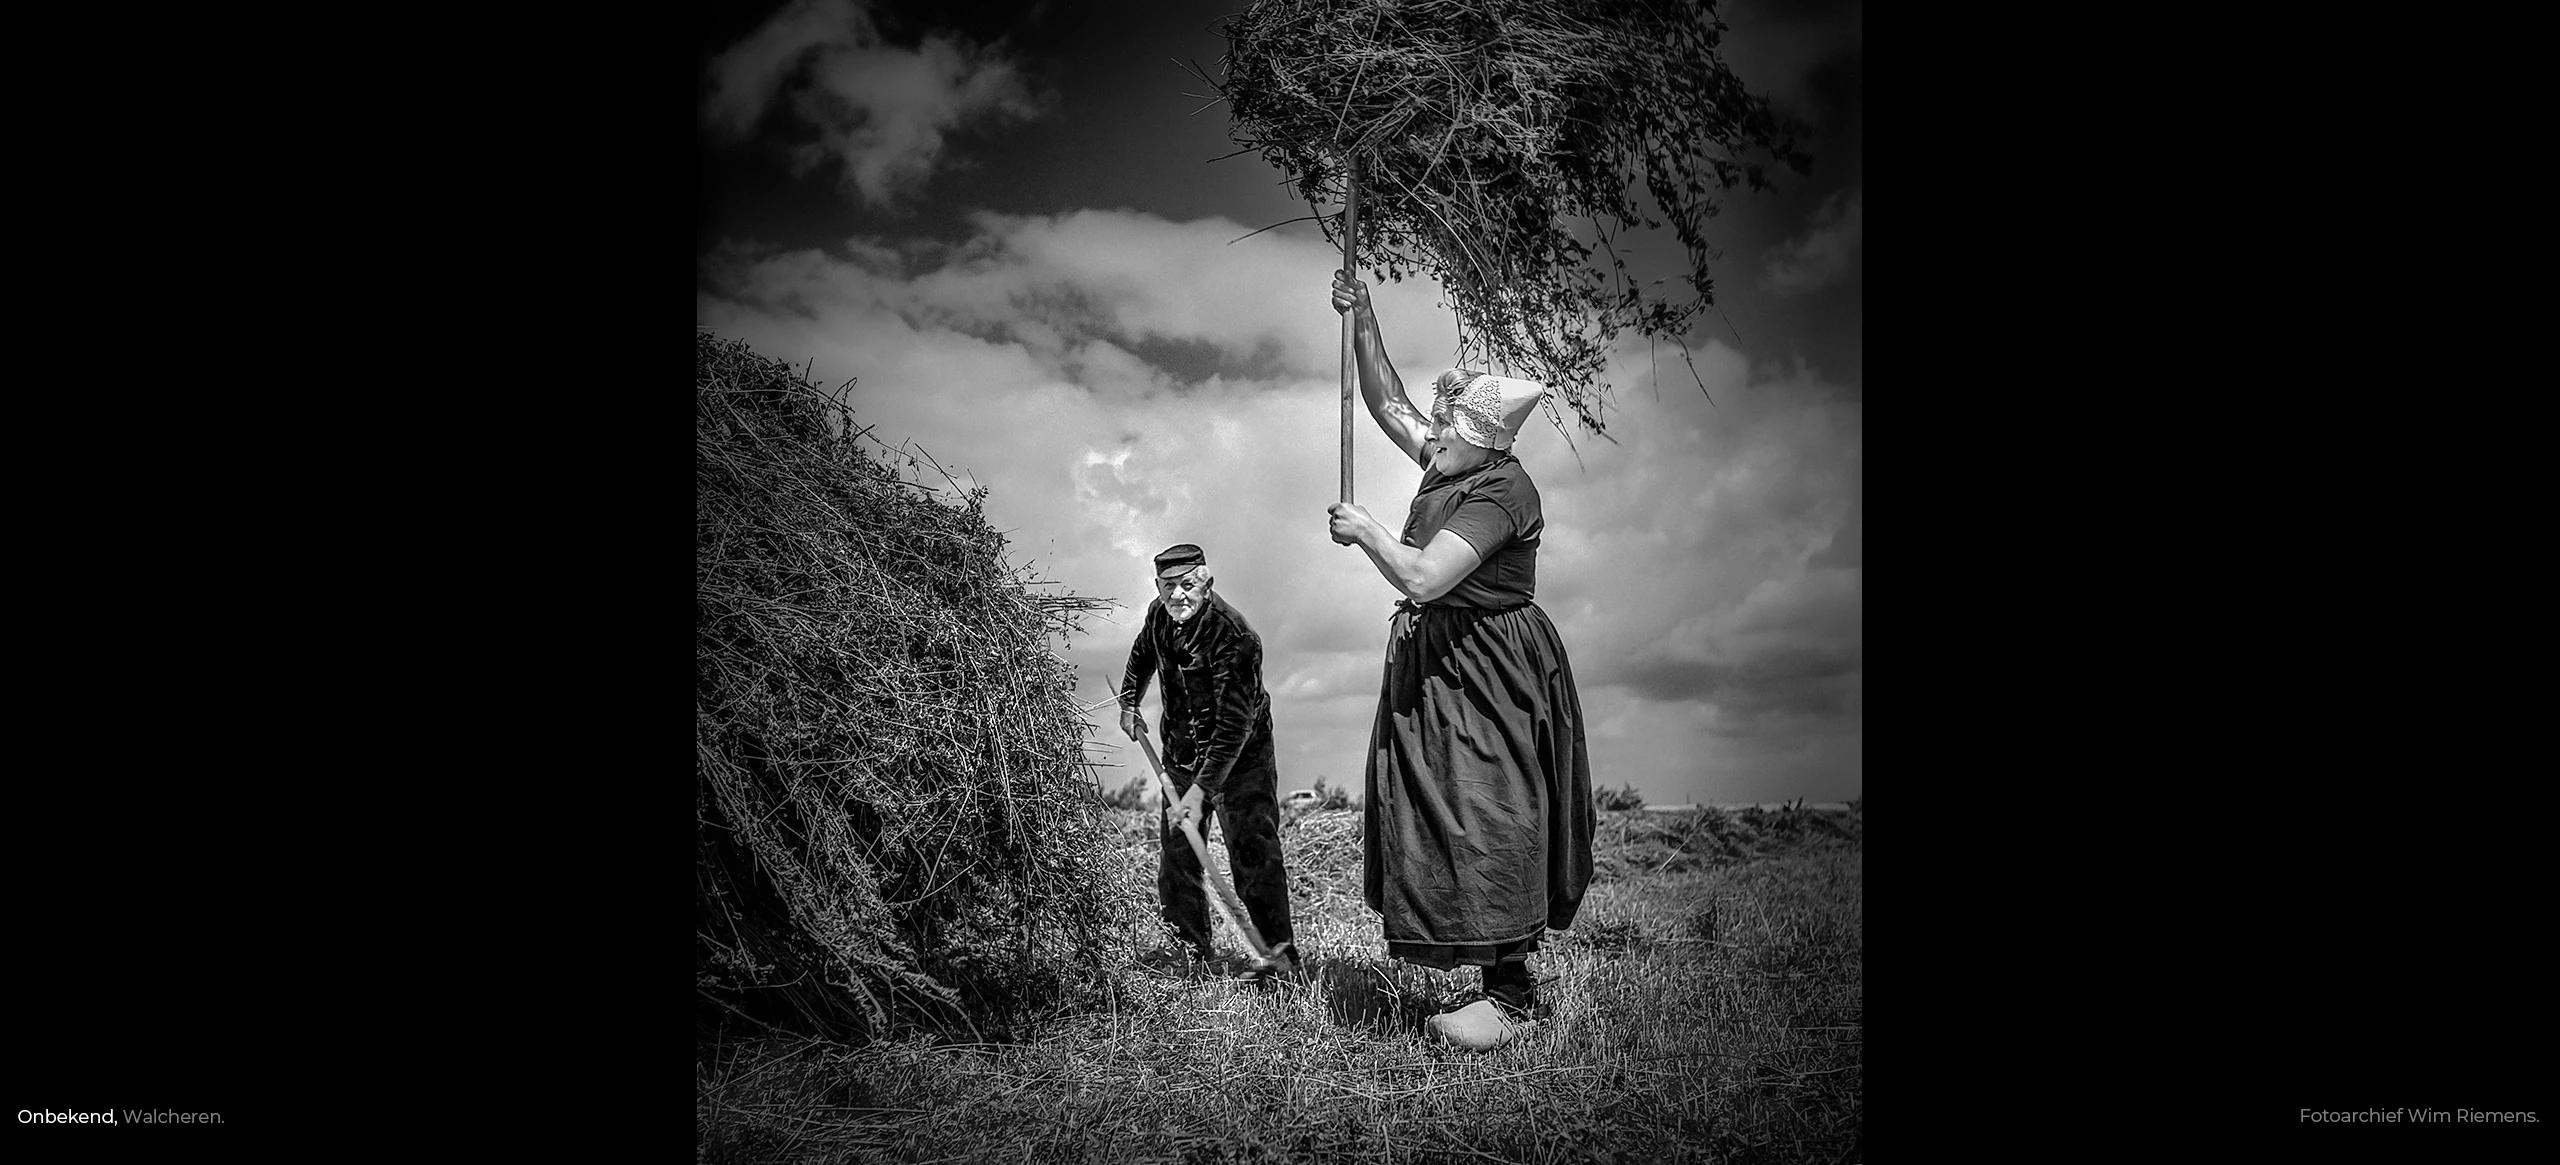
{"points": [[1122, 383], [744, 78], [880, 112], [1825, 253]]}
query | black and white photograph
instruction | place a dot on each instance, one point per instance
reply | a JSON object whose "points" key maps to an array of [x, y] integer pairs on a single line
{"points": [[1279, 581]]}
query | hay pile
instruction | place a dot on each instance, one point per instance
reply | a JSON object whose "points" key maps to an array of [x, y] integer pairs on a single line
{"points": [[1482, 130], [894, 826], [1322, 849]]}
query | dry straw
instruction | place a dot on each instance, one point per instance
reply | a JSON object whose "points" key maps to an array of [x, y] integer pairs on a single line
{"points": [[1496, 144], [894, 819]]}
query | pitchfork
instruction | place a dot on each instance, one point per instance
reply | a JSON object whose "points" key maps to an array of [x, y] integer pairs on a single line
{"points": [[1265, 956]]}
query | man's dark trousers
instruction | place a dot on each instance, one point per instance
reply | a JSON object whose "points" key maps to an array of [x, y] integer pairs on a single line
{"points": [[1249, 816]]}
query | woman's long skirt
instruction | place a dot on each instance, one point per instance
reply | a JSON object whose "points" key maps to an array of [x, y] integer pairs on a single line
{"points": [[1477, 825]]}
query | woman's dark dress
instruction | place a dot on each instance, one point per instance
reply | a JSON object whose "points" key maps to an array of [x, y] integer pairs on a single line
{"points": [[1477, 828]]}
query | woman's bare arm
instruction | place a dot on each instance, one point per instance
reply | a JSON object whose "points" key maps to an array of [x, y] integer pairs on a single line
{"points": [[1380, 388], [1422, 575]]}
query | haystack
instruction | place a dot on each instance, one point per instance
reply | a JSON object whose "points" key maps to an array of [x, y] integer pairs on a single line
{"points": [[1495, 144], [894, 820]]}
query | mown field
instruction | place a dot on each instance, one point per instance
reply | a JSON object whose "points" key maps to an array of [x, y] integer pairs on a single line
{"points": [[1707, 1007]]}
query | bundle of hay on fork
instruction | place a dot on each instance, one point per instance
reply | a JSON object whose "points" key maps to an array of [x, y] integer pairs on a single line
{"points": [[894, 819], [1495, 144]]}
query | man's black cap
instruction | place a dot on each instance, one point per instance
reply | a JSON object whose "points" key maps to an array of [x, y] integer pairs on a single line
{"points": [[1180, 559]]}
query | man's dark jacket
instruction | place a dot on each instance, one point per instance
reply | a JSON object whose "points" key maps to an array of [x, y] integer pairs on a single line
{"points": [[1214, 705]]}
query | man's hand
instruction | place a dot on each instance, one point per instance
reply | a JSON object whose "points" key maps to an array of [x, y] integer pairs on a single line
{"points": [[1132, 723], [1186, 808]]}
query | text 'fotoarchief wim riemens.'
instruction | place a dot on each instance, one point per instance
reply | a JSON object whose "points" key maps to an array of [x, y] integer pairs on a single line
{"points": [[2416, 1116]]}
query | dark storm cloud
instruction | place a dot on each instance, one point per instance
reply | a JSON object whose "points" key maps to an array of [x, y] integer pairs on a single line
{"points": [[1799, 681], [875, 114], [1826, 253]]}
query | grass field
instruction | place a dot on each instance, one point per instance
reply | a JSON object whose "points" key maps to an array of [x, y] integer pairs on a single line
{"points": [[1706, 1007]]}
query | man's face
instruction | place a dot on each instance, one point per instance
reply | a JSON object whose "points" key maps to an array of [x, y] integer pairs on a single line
{"points": [[1183, 595]]}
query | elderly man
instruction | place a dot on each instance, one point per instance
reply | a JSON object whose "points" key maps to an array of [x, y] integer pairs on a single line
{"points": [[1217, 748]]}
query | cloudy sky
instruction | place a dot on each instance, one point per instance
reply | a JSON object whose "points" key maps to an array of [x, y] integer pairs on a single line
{"points": [[1002, 218]]}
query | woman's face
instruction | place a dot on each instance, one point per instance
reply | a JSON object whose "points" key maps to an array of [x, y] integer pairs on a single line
{"points": [[1450, 453]]}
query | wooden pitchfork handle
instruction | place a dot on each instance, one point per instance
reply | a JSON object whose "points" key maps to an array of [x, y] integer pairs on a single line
{"points": [[1263, 954], [1350, 270]]}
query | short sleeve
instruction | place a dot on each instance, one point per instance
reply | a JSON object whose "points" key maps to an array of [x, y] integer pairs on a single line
{"points": [[1484, 522]]}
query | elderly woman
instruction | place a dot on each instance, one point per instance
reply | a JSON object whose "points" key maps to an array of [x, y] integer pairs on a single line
{"points": [[1478, 825]]}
